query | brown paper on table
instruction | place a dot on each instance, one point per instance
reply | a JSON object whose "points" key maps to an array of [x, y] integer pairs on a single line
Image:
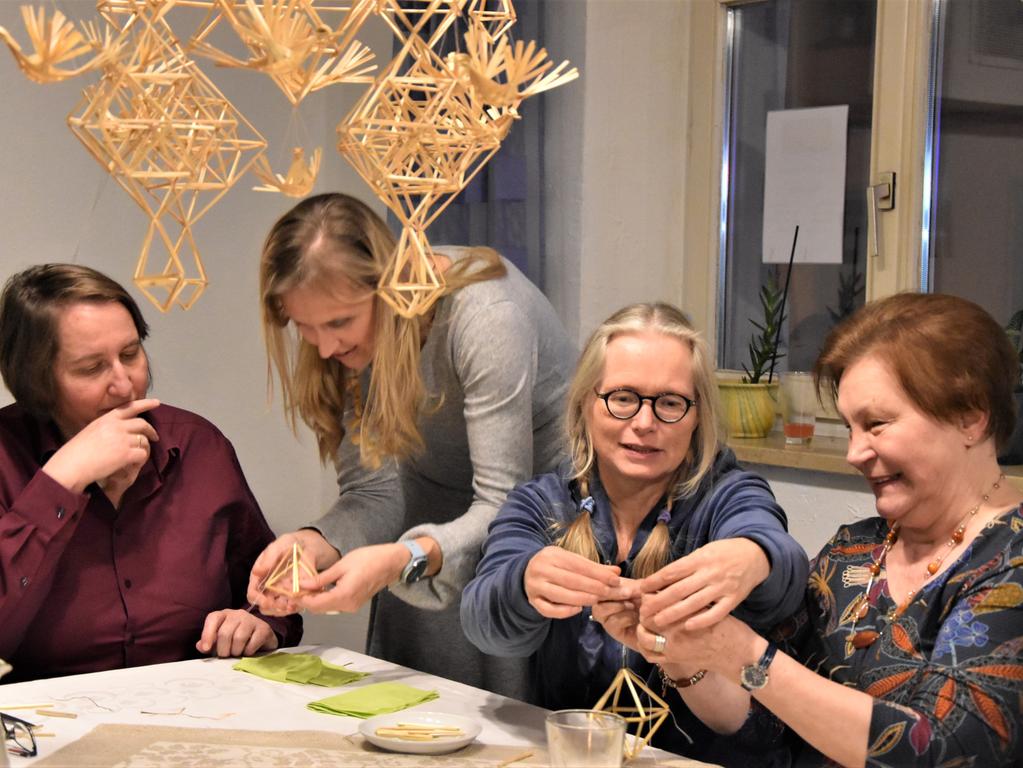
{"points": [[135, 746]]}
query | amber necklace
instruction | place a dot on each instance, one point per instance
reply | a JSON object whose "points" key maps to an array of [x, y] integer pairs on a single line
{"points": [[865, 637]]}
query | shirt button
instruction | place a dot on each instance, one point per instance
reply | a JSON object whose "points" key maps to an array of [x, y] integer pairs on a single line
{"points": [[127, 583], [24, 581], [60, 513]]}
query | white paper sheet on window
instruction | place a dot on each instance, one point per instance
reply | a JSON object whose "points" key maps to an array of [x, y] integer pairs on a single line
{"points": [[804, 184]]}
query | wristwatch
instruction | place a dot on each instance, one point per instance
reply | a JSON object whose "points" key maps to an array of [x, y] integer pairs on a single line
{"points": [[416, 567], [753, 677]]}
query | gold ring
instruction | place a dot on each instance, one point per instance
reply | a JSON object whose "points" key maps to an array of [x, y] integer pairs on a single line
{"points": [[659, 642]]}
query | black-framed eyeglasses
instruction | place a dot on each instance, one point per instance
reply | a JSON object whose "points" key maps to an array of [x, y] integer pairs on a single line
{"points": [[18, 736], [669, 407]]}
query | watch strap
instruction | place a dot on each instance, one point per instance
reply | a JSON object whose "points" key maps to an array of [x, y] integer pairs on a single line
{"points": [[416, 566], [761, 667]]}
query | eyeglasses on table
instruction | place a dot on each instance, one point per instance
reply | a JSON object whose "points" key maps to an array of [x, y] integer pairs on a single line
{"points": [[18, 736]]}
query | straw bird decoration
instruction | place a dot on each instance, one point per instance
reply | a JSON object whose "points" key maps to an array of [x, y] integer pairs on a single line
{"points": [[298, 181]]}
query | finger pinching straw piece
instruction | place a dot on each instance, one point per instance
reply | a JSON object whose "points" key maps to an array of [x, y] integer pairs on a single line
{"points": [[289, 564]]}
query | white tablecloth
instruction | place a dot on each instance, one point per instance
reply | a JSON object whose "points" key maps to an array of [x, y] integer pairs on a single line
{"points": [[208, 693]]}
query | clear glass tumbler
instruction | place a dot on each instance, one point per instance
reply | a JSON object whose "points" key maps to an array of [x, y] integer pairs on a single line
{"points": [[585, 738]]}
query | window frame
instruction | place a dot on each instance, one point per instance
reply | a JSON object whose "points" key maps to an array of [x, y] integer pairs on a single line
{"points": [[903, 104]]}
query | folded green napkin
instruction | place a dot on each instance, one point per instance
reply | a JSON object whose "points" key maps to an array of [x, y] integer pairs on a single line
{"points": [[376, 699], [298, 668]]}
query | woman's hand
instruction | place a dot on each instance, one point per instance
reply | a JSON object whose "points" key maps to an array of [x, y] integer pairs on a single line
{"points": [[109, 450], [620, 617], [705, 586], [235, 632], [559, 583], [714, 657], [725, 647], [317, 553], [356, 578]]}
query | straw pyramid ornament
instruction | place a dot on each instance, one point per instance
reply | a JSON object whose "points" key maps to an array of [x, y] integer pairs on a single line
{"points": [[647, 719], [493, 18], [286, 576], [408, 19], [411, 285], [426, 125], [172, 141]]}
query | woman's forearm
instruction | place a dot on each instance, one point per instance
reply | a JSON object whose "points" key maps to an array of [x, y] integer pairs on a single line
{"points": [[720, 704], [809, 704], [833, 718]]}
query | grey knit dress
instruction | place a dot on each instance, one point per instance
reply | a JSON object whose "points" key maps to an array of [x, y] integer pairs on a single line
{"points": [[498, 362]]}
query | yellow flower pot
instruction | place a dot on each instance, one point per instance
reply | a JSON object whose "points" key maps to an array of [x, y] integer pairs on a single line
{"points": [[749, 409]]}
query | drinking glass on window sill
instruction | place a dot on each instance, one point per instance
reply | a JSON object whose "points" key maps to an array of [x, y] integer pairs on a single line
{"points": [[798, 407]]}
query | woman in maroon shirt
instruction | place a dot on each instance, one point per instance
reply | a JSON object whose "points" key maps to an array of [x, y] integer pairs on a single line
{"points": [[127, 529]]}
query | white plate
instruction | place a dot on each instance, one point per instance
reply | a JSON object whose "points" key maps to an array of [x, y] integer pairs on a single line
{"points": [[470, 730]]}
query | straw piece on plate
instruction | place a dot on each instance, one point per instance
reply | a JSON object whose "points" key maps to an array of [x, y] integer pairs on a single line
{"points": [[419, 732]]}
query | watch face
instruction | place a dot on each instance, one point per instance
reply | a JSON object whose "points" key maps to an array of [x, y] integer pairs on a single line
{"points": [[414, 570], [753, 676]]}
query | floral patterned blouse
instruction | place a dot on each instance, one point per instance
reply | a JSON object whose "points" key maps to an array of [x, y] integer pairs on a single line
{"points": [[947, 673]]}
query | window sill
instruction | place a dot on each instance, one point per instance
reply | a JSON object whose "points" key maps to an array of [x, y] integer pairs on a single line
{"points": [[823, 454]]}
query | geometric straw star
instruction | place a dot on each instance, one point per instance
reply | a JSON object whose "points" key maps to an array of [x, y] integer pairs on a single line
{"points": [[426, 125]]}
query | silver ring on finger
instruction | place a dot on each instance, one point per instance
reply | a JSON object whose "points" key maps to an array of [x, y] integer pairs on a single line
{"points": [[659, 642]]}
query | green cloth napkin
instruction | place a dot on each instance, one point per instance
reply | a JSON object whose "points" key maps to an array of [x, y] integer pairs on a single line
{"points": [[370, 700], [298, 668]]}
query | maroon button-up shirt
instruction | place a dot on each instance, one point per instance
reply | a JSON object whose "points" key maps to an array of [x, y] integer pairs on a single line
{"points": [[86, 587]]}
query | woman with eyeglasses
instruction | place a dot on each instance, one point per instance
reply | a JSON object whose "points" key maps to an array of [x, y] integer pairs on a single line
{"points": [[649, 493]]}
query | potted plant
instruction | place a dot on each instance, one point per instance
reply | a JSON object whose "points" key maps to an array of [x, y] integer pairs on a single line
{"points": [[749, 404], [1013, 452]]}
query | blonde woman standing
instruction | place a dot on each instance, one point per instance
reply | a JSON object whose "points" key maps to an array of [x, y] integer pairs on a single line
{"points": [[430, 422], [649, 493]]}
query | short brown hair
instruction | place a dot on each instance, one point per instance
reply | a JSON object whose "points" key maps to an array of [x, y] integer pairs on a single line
{"points": [[29, 305], [948, 355]]}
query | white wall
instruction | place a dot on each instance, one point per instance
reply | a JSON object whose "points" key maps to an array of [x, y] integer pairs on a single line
{"points": [[614, 168], [614, 157], [817, 503], [57, 204]]}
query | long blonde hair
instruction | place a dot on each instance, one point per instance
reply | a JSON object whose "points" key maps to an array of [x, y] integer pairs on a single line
{"points": [[336, 240], [670, 321]]}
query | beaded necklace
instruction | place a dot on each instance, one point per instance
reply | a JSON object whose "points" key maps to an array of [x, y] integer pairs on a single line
{"points": [[865, 637]]}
